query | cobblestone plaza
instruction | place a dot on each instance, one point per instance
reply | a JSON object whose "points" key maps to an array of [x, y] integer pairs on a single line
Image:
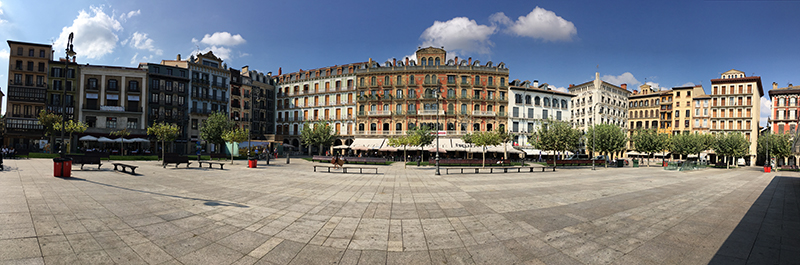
{"points": [[287, 214]]}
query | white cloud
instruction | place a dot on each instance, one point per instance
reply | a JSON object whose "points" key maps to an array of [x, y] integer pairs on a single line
{"points": [[4, 54], [125, 16], [135, 61], [766, 109], [142, 42], [221, 52], [624, 78], [222, 39], [688, 84], [94, 34], [459, 33], [562, 89], [538, 24]]}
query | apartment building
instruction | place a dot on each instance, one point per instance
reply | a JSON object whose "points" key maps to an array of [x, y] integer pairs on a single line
{"points": [[327, 93], [702, 114], [262, 99], [644, 107], [27, 93], [735, 106], [682, 106], [111, 99], [167, 88], [531, 105], [610, 101]]}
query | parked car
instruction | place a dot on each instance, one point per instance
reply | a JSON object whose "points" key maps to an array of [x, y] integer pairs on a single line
{"points": [[578, 157]]}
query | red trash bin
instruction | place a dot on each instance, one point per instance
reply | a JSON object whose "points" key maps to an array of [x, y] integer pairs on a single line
{"points": [[665, 164], [62, 167], [252, 163], [767, 169]]}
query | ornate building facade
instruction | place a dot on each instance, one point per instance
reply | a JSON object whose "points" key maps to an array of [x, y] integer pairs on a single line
{"points": [[401, 95], [167, 88], [530, 105]]}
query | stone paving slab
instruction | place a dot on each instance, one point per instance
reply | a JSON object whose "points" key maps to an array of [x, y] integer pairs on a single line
{"points": [[287, 214]]}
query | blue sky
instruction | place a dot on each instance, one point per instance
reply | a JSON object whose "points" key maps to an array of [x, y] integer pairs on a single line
{"points": [[666, 43]]}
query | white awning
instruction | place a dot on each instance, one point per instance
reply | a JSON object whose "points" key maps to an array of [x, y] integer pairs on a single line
{"points": [[88, 138], [633, 153], [363, 144]]}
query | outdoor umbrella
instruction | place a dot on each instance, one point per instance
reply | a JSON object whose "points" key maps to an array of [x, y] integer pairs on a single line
{"points": [[105, 140]]}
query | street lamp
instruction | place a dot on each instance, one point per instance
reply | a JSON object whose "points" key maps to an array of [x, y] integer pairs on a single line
{"points": [[436, 94], [594, 132], [70, 53]]}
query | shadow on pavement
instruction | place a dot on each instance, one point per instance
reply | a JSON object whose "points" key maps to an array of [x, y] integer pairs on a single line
{"points": [[770, 231], [206, 202]]}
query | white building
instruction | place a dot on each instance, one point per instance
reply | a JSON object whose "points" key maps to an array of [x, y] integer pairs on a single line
{"points": [[610, 100], [530, 104]]}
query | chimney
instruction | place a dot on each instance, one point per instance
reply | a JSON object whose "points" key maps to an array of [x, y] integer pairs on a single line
{"points": [[456, 60], [370, 61], [394, 61], [536, 83], [279, 71], [406, 61], [179, 57], [470, 60], [635, 91], [774, 85], [571, 85], [624, 86]]}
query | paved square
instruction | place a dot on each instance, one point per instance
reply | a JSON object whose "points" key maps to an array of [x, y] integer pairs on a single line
{"points": [[287, 214]]}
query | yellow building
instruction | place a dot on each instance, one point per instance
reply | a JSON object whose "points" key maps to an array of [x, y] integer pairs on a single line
{"points": [[665, 112], [643, 107], [683, 108], [735, 106]]}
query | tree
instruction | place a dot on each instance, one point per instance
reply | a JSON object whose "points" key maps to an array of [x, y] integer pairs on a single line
{"points": [[321, 134], [556, 136], [421, 137], [731, 145], [606, 138], [212, 128], [683, 144], [505, 138], [48, 121], [403, 141], [780, 146], [482, 139], [704, 142], [122, 134], [164, 132], [236, 135], [649, 141], [72, 127]]}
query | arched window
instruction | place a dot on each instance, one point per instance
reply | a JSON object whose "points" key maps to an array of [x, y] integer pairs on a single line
{"points": [[476, 127], [555, 103], [489, 108], [361, 127], [398, 127], [411, 80], [399, 94], [373, 107], [430, 60], [424, 61], [373, 127], [476, 107], [528, 99], [563, 104], [488, 127], [518, 98], [547, 102], [372, 81], [450, 108], [536, 101], [427, 79], [437, 61], [451, 126], [386, 81], [477, 80], [502, 81], [398, 109], [463, 93], [412, 93], [399, 81], [361, 108], [463, 108], [502, 109], [451, 93], [411, 126], [428, 93]]}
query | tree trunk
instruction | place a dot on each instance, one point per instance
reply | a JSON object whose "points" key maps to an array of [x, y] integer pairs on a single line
{"points": [[231, 155], [405, 157], [483, 164], [162, 150], [505, 151]]}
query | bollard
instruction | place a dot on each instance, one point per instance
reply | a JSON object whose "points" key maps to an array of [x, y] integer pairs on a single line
{"points": [[287, 158]]}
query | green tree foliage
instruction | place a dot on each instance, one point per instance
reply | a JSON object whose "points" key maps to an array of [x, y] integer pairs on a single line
{"points": [[421, 136], [212, 128], [648, 141], [731, 145], [402, 141], [122, 134], [72, 127], [556, 136], [683, 144], [482, 139], [48, 121], [164, 132], [236, 135], [606, 138], [505, 138], [321, 134], [780, 145]]}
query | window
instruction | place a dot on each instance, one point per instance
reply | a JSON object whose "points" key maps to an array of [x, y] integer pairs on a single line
{"points": [[194, 124], [544, 114], [528, 99], [133, 123], [111, 122], [154, 98], [558, 115], [688, 113], [451, 79], [30, 52], [112, 84], [477, 80], [515, 112], [686, 124]]}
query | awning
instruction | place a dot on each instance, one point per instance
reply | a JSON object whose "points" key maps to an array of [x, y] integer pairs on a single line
{"points": [[344, 146], [434, 150], [363, 144], [387, 149], [104, 140], [533, 152], [661, 154], [140, 140], [633, 153], [88, 138]]}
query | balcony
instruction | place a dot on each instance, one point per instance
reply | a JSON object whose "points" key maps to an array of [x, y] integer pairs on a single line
{"points": [[379, 113], [88, 87], [23, 124], [431, 112], [483, 113]]}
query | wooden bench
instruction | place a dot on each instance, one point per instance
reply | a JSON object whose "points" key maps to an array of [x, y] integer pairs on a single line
{"points": [[344, 169], [218, 156], [210, 164], [364, 160], [477, 170], [85, 159], [124, 167], [175, 159], [322, 158]]}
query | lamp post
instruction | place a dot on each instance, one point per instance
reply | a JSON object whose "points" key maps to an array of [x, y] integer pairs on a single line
{"points": [[594, 132], [70, 53], [436, 94]]}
